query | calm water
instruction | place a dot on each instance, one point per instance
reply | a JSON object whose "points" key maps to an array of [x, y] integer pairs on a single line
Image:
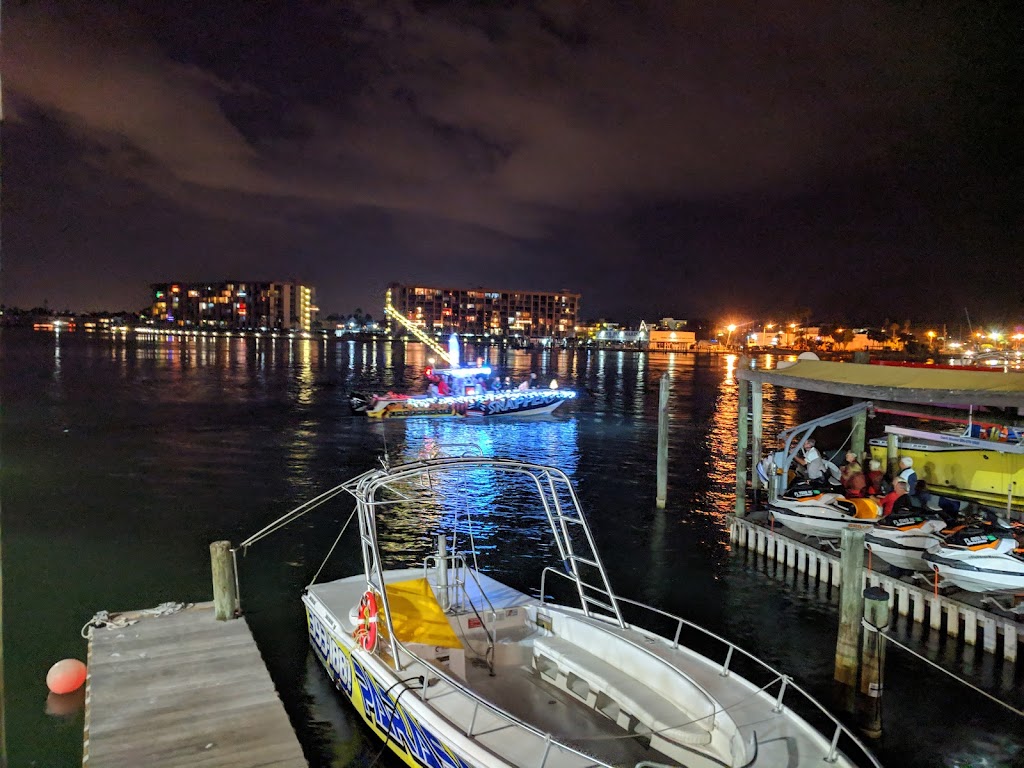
{"points": [[123, 459]]}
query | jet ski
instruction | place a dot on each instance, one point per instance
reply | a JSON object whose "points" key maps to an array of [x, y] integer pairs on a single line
{"points": [[902, 538], [981, 558], [821, 510]]}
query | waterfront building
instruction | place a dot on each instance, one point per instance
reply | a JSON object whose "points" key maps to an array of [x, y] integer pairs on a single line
{"points": [[615, 335], [234, 304], [664, 340], [488, 311]]}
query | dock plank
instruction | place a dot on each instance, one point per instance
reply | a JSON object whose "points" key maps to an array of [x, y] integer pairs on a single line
{"points": [[184, 690]]}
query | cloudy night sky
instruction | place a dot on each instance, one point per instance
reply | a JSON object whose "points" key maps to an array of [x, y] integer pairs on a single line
{"points": [[732, 158]]}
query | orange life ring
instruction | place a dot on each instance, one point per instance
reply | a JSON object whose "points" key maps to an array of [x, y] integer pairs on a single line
{"points": [[366, 626]]}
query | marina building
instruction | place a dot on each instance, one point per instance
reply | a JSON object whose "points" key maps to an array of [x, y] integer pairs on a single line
{"points": [[487, 311], [234, 304]]}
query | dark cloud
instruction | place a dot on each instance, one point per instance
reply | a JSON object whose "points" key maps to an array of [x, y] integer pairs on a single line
{"points": [[681, 157]]}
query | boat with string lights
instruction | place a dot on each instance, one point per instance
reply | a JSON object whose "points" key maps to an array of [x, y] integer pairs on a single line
{"points": [[461, 391], [474, 402], [495, 638]]}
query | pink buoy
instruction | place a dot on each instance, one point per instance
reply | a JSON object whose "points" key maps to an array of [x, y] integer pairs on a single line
{"points": [[65, 676]]}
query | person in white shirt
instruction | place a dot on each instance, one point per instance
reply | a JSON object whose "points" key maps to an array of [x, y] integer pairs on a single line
{"points": [[907, 473], [811, 461]]}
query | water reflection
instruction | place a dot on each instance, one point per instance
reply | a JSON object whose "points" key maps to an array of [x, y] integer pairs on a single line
{"points": [[177, 442]]}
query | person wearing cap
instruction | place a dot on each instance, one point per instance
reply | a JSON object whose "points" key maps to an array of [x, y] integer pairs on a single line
{"points": [[852, 476], [896, 500], [875, 478], [811, 461], [908, 474]]}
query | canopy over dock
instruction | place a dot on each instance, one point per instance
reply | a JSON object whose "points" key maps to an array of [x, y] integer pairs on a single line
{"points": [[896, 384]]}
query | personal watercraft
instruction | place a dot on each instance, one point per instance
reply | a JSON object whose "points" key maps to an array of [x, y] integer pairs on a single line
{"points": [[981, 558], [821, 510]]}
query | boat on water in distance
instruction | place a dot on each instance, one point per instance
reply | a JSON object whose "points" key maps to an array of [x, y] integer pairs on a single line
{"points": [[452, 660], [466, 397], [463, 391]]}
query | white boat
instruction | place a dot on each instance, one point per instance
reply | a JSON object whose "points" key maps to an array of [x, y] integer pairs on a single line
{"points": [[451, 665], [815, 511], [902, 539]]}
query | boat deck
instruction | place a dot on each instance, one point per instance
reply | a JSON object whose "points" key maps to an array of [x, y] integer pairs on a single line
{"points": [[523, 692]]}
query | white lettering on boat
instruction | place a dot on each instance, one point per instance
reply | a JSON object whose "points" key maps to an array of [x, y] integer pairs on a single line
{"points": [[331, 655], [401, 728]]}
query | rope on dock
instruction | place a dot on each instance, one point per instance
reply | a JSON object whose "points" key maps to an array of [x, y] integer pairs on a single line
{"points": [[120, 620], [872, 628]]}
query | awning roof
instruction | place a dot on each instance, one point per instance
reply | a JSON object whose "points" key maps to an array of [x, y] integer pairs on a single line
{"points": [[897, 384]]}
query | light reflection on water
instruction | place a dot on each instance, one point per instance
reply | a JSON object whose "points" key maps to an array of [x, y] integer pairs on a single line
{"points": [[150, 449]]}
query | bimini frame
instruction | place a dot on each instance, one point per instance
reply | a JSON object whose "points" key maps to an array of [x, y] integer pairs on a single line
{"points": [[378, 489]]}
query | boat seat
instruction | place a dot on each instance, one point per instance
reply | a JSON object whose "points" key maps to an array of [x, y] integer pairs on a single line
{"points": [[685, 718]]}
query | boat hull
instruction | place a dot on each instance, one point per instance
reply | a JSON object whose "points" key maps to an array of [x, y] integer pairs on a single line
{"points": [[979, 573], [534, 402], [902, 540], [985, 476], [822, 520], [411, 736]]}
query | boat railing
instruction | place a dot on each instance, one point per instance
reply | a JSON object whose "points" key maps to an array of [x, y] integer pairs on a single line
{"points": [[785, 681]]}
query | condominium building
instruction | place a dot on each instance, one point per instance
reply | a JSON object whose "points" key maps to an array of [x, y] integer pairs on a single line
{"points": [[234, 304], [487, 311]]}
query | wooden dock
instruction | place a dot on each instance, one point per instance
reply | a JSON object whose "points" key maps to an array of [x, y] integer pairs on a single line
{"points": [[183, 690], [999, 634]]}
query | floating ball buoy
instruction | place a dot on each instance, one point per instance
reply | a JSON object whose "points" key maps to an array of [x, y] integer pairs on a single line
{"points": [[65, 676]]}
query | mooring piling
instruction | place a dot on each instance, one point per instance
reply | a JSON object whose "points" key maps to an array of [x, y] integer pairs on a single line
{"points": [[225, 596], [662, 492], [876, 619], [851, 607]]}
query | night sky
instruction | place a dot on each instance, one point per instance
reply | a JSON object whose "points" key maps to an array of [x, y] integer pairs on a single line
{"points": [[733, 158]]}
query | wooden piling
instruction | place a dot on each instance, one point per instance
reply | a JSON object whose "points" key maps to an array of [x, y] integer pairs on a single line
{"points": [[757, 429], [743, 396], [876, 614], [858, 435], [851, 606], [662, 492], [225, 597], [892, 454]]}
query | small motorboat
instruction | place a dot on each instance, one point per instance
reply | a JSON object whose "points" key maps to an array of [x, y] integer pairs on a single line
{"points": [[450, 663], [822, 511], [902, 539], [981, 558]]}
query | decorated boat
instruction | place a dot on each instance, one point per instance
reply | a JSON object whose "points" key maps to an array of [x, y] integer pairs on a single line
{"points": [[474, 401], [463, 391], [451, 659]]}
